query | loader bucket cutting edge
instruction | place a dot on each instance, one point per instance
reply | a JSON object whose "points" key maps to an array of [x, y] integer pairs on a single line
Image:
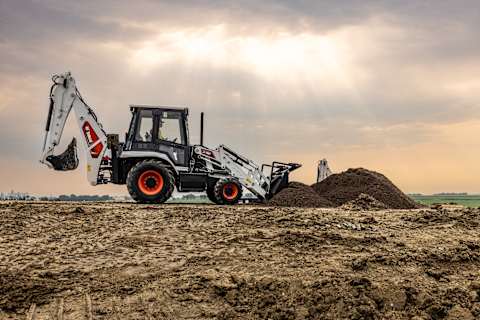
{"points": [[294, 166], [66, 161]]}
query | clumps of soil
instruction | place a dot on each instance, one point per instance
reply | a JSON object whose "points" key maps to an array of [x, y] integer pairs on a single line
{"points": [[268, 298], [339, 297], [364, 202], [465, 217], [298, 194], [18, 291], [347, 186], [78, 210], [238, 262]]}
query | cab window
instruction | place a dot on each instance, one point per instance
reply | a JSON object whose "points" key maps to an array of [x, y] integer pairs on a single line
{"points": [[145, 127], [170, 127]]}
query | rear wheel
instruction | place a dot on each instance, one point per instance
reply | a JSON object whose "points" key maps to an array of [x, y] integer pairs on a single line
{"points": [[150, 181], [228, 191]]}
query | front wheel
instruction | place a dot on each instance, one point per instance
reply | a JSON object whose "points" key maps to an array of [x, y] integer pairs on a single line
{"points": [[211, 194], [150, 181], [227, 191]]}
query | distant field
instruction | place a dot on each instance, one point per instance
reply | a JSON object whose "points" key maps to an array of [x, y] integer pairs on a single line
{"points": [[465, 200]]}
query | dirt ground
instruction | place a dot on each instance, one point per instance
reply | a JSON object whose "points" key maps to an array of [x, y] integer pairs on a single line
{"points": [[129, 261]]}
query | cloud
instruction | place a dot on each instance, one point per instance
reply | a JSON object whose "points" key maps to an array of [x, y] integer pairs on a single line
{"points": [[286, 80]]}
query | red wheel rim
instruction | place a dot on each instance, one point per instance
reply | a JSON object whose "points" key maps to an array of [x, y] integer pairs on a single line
{"points": [[230, 191], [150, 182]]}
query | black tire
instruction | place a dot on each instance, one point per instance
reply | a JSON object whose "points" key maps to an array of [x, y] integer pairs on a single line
{"points": [[227, 191], [211, 195], [149, 181]]}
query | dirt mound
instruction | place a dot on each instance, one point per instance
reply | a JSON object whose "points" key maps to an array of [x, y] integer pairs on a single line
{"points": [[347, 186], [299, 195], [364, 202]]}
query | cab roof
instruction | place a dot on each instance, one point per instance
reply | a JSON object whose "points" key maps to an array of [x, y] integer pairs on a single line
{"points": [[163, 108]]}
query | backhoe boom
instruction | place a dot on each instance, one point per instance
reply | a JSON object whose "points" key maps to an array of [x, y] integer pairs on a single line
{"points": [[64, 96]]}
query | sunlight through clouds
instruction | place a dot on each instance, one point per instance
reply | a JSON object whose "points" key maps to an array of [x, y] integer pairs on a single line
{"points": [[281, 57]]}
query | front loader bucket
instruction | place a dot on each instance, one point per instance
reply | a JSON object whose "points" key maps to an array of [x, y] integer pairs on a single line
{"points": [[66, 161], [279, 176]]}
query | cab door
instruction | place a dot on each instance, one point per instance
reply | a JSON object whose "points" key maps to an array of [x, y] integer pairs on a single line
{"points": [[170, 136]]}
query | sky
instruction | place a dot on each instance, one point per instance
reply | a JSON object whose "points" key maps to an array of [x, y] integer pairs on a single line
{"points": [[392, 86]]}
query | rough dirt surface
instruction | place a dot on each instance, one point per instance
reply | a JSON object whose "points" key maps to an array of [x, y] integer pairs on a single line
{"points": [[346, 186], [237, 262], [364, 202], [298, 194]]}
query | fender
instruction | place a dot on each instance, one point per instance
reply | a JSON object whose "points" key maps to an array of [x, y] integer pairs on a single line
{"points": [[152, 154]]}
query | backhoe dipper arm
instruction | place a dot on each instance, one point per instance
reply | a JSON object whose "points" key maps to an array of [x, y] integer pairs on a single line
{"points": [[64, 96]]}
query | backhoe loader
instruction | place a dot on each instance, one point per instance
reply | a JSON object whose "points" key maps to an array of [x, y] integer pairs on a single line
{"points": [[156, 156]]}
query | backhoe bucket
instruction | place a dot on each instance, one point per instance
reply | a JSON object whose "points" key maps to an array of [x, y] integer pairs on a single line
{"points": [[66, 161]]}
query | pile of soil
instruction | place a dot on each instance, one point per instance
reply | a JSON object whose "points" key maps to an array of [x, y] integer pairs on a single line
{"points": [[347, 186], [364, 202], [298, 194]]}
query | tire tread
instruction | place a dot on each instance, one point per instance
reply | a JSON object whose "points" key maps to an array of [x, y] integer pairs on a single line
{"points": [[217, 191], [131, 182]]}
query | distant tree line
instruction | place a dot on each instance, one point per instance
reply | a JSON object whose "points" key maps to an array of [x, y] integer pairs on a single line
{"points": [[439, 194], [12, 195], [451, 194], [74, 197]]}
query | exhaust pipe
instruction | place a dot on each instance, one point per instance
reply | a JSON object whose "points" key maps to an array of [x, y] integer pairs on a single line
{"points": [[201, 129]]}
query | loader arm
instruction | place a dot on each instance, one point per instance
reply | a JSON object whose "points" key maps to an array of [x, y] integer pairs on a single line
{"points": [[64, 96], [252, 176]]}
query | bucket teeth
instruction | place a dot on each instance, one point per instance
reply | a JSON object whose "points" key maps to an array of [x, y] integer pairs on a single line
{"points": [[68, 160]]}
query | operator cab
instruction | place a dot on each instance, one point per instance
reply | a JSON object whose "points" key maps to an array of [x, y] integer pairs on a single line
{"points": [[160, 129]]}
